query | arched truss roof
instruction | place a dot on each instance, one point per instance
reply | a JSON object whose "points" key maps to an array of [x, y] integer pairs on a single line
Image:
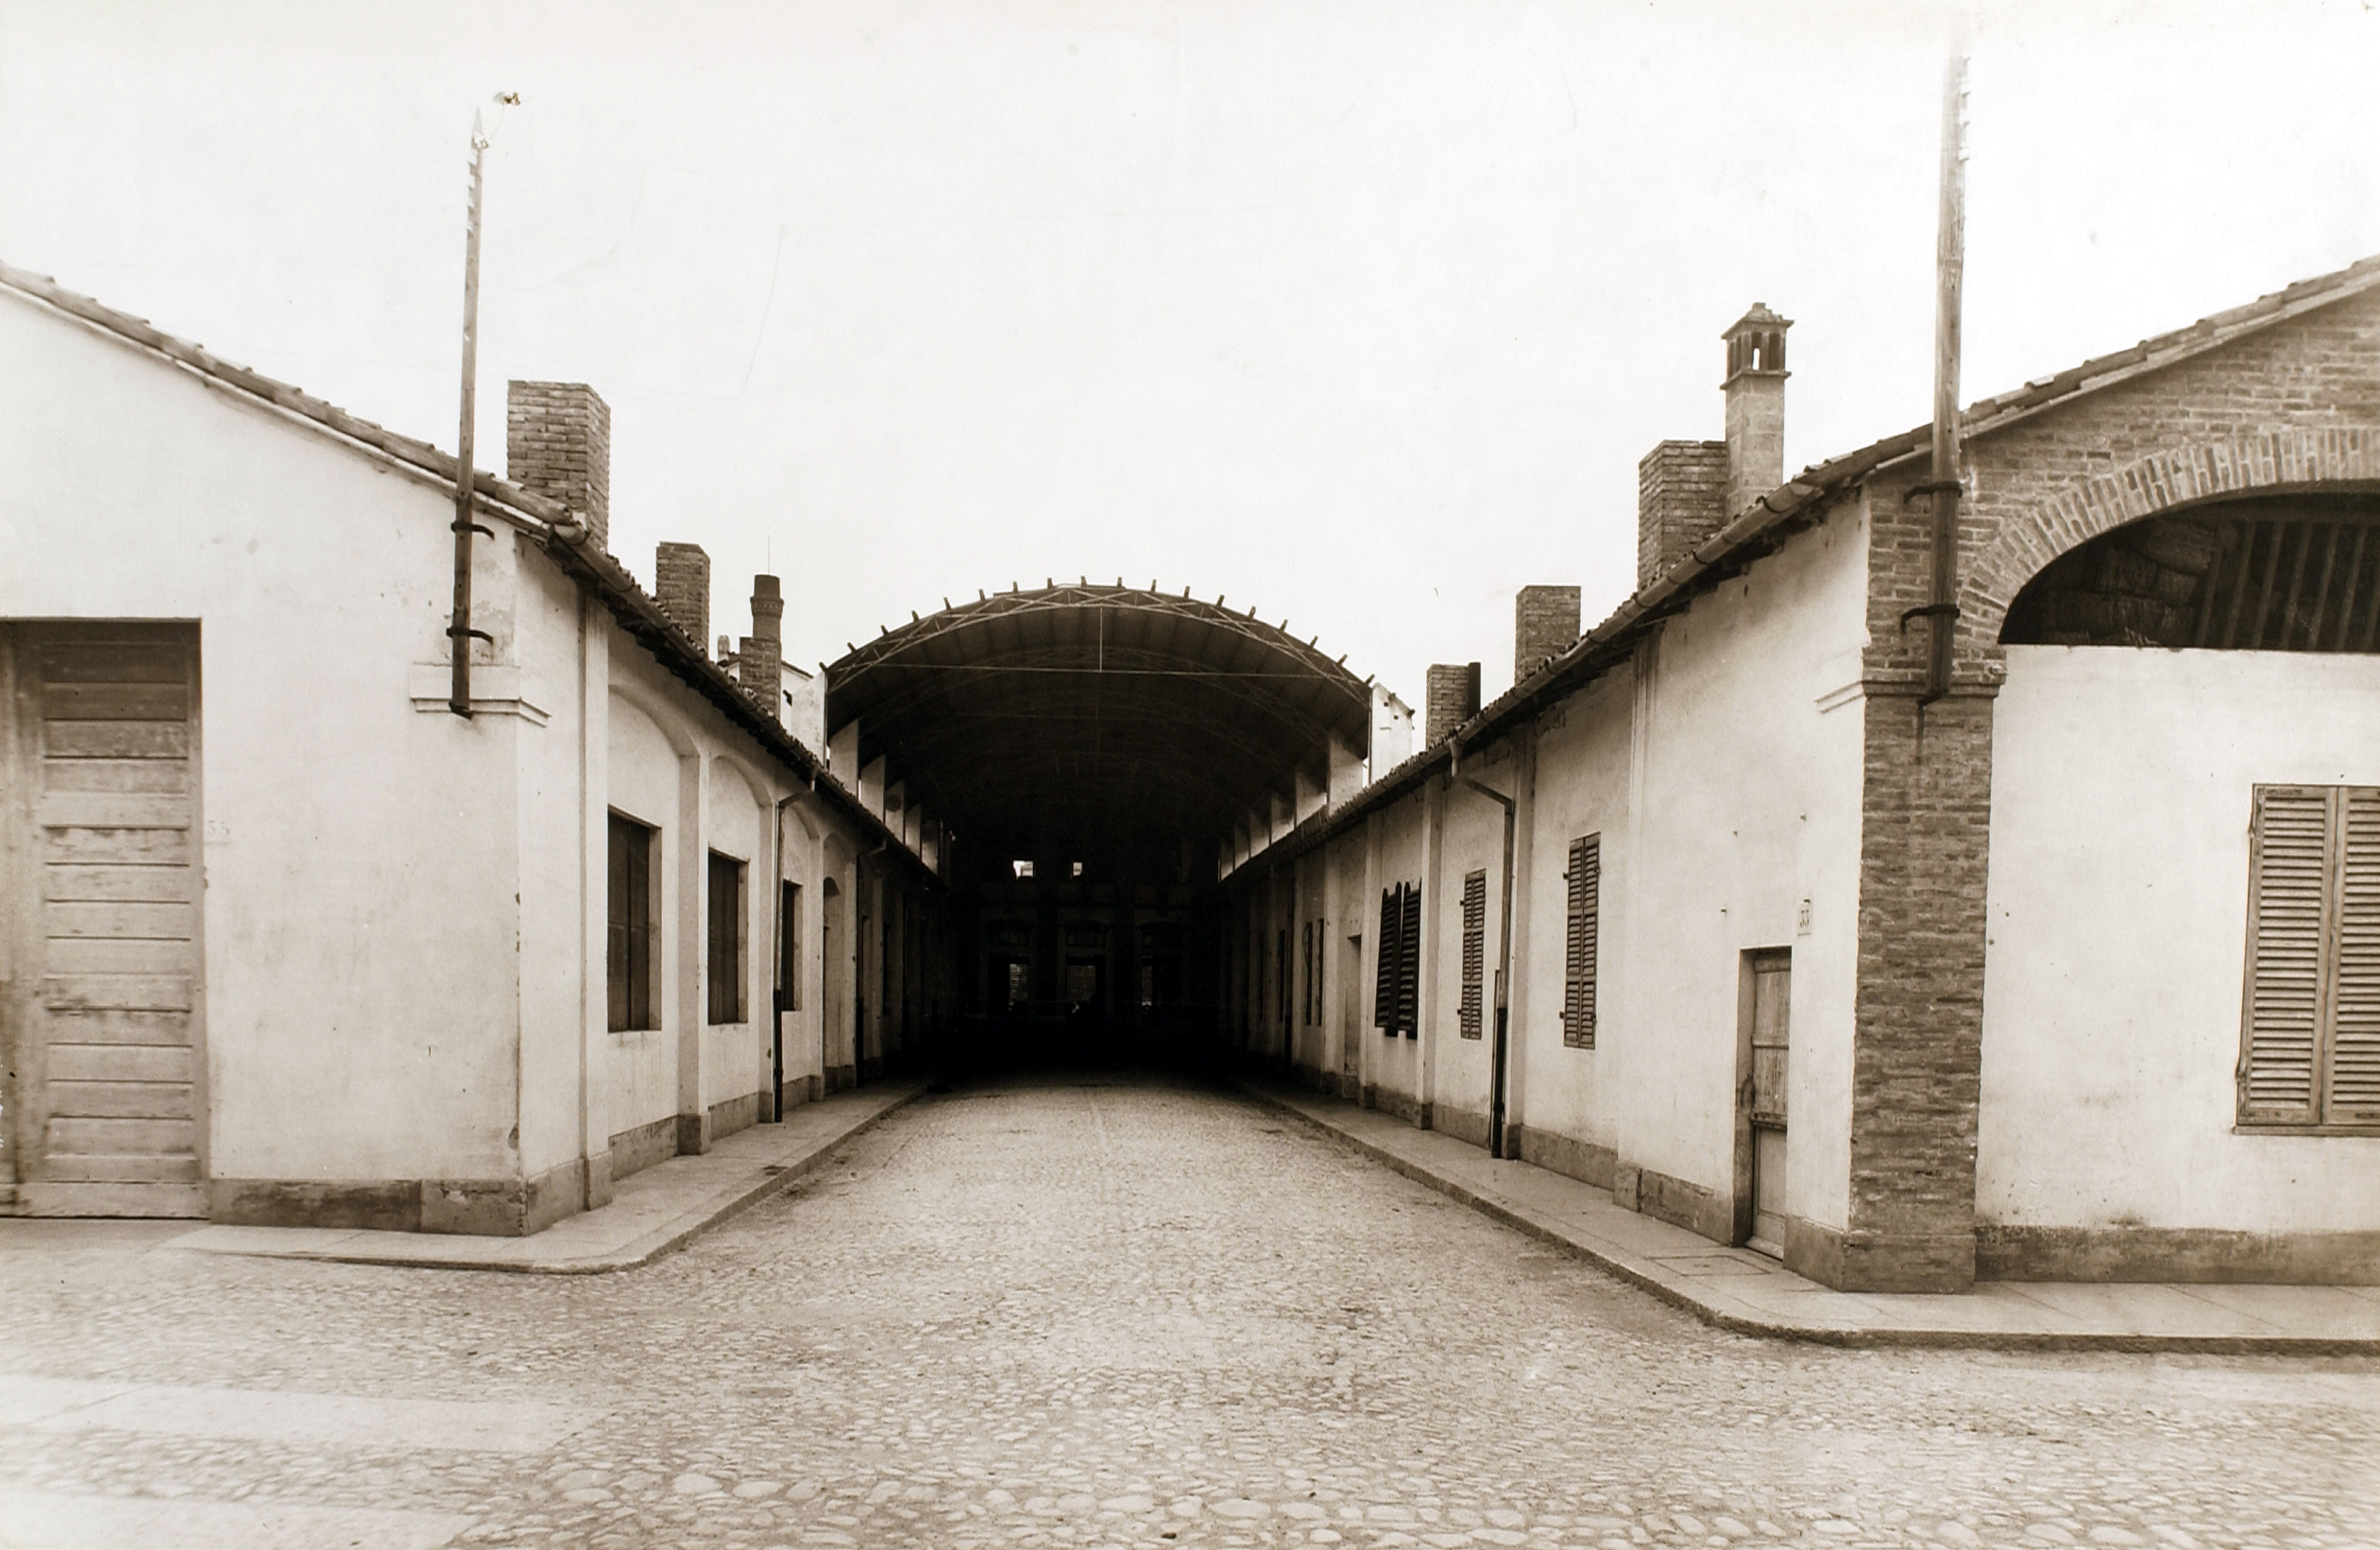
{"points": [[1089, 709]]}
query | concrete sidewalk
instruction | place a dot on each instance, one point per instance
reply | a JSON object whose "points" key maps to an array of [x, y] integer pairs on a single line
{"points": [[1740, 1291], [651, 1213]]}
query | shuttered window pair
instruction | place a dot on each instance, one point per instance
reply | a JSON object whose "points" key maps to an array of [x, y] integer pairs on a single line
{"points": [[1578, 965], [1397, 983], [2310, 1036], [1474, 948]]}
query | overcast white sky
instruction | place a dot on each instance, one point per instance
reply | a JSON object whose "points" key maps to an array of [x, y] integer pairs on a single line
{"points": [[1358, 311]]}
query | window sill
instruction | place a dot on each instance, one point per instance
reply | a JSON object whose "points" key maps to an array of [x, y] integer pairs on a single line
{"points": [[2367, 1128]]}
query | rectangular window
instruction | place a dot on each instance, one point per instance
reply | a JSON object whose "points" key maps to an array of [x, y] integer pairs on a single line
{"points": [[628, 927], [726, 958], [1474, 949], [790, 945], [2310, 1026], [1385, 969], [1578, 963]]}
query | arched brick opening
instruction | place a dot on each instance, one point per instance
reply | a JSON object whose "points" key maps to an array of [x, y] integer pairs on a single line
{"points": [[2028, 535]]}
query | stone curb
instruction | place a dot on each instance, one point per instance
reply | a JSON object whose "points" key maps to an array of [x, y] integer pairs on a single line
{"points": [[1682, 1294], [731, 1200]]}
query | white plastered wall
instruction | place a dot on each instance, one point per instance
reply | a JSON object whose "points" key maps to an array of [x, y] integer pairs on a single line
{"points": [[1722, 772], [2121, 789], [362, 954]]}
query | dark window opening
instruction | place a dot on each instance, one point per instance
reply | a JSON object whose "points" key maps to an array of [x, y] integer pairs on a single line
{"points": [[628, 927], [727, 941]]}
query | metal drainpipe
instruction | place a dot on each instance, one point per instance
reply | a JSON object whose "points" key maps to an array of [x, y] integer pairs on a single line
{"points": [[1500, 1058]]}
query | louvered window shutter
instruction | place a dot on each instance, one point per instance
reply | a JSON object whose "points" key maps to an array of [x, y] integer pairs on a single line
{"points": [[1385, 969], [1578, 970], [2354, 1093], [1474, 948], [2288, 925], [1410, 965]]}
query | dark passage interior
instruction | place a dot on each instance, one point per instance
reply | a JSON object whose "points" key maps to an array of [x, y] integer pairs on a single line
{"points": [[1086, 751]]}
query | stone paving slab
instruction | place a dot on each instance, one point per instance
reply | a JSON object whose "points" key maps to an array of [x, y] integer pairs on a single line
{"points": [[651, 1213], [1745, 1292], [141, 1522]]}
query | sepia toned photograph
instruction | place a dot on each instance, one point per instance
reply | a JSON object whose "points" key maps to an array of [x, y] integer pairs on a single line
{"points": [[1127, 774]]}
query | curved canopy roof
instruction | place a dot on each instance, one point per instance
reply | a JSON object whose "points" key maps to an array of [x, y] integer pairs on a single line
{"points": [[1095, 714]]}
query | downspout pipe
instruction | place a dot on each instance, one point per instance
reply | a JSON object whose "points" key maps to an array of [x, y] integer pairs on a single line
{"points": [[1942, 606], [1501, 1051]]}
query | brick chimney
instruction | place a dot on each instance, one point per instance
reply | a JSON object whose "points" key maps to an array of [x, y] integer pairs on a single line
{"points": [[1452, 700], [1544, 623], [1681, 492], [681, 579], [557, 444], [760, 662], [1755, 406]]}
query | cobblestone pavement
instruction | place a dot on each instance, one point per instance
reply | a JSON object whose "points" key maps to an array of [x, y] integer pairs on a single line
{"points": [[1093, 1311]]}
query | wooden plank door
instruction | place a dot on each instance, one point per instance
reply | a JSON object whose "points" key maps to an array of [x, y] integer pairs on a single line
{"points": [[110, 1105], [1764, 1091]]}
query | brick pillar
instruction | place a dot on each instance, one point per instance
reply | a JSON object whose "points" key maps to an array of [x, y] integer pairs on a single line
{"points": [[1544, 623], [681, 580], [557, 444], [1452, 699], [1917, 1015]]}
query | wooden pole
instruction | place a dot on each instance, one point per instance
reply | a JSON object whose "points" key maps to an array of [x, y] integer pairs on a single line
{"points": [[459, 630], [1949, 265]]}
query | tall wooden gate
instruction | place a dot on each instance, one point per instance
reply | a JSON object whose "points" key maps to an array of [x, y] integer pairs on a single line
{"points": [[103, 1108]]}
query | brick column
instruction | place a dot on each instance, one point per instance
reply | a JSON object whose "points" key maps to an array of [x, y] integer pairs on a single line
{"points": [[1917, 1016]]}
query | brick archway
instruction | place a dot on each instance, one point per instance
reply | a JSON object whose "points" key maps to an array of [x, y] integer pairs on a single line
{"points": [[2029, 531]]}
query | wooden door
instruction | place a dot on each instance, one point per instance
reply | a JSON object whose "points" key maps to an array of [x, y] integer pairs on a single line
{"points": [[104, 888], [1771, 993]]}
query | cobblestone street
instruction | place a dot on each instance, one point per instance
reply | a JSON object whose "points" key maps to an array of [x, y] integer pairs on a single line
{"points": [[1101, 1311]]}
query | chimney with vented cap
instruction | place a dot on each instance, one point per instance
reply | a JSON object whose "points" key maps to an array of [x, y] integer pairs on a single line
{"points": [[1544, 623], [557, 444], [1451, 699], [681, 580], [1755, 406], [1688, 490]]}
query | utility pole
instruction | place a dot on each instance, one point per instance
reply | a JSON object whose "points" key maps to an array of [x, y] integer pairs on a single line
{"points": [[1949, 270], [459, 632]]}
